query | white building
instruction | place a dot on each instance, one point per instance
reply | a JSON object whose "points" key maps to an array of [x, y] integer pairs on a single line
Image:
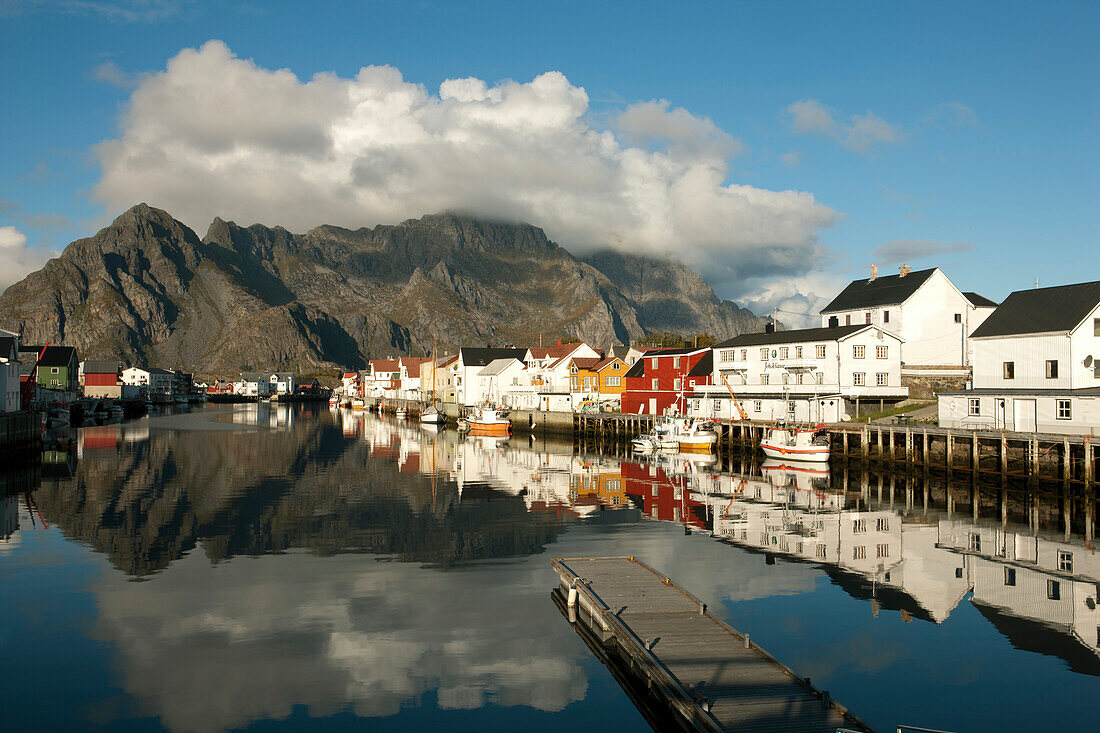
{"points": [[153, 380], [809, 375], [932, 316], [467, 369], [1036, 365], [499, 378], [9, 372]]}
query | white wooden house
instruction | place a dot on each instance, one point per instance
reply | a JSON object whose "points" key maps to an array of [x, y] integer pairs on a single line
{"points": [[469, 365], [499, 378], [808, 375], [154, 381], [933, 317], [9, 372], [1036, 365]]}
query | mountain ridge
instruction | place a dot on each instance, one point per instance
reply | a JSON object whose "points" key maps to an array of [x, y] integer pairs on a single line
{"points": [[147, 289]]}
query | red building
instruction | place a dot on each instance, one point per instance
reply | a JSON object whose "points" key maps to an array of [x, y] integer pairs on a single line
{"points": [[665, 378], [664, 497]]}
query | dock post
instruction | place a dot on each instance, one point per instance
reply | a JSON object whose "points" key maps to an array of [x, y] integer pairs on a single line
{"points": [[924, 449], [893, 453], [1034, 444], [1004, 459], [909, 446], [865, 442], [950, 455], [844, 441], [974, 454], [1089, 463], [1067, 469]]}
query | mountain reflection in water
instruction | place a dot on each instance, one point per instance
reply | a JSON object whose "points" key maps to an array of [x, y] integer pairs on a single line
{"points": [[355, 565]]}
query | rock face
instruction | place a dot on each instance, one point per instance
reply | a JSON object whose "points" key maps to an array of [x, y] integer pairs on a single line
{"points": [[147, 290]]}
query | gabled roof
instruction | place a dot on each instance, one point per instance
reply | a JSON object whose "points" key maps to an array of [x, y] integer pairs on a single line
{"points": [[618, 351], [384, 365], [472, 357], [57, 356], [102, 367], [446, 360], [496, 366], [979, 301], [556, 351], [800, 336], [605, 363], [586, 362], [1042, 310], [351, 375], [704, 367], [8, 348], [887, 290]]}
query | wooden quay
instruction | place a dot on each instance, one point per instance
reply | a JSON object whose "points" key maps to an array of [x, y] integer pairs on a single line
{"points": [[680, 658]]}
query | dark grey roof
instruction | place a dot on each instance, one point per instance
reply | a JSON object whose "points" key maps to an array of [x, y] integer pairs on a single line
{"points": [[57, 356], [637, 369], [481, 357], [102, 367], [1023, 392], [1041, 310], [800, 336], [704, 366], [7, 346], [887, 290], [979, 301]]}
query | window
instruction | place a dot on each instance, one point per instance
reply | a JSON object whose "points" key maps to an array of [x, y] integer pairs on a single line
{"points": [[1052, 368], [1096, 326], [675, 362], [587, 382], [881, 352], [821, 351], [764, 354], [676, 384], [757, 406], [1054, 590], [1065, 411], [974, 407], [798, 378], [859, 379], [821, 551], [958, 572], [859, 526], [728, 354], [1010, 576], [882, 524], [697, 405], [1010, 370], [573, 369], [763, 379], [744, 354], [1065, 561], [717, 405], [55, 370], [882, 551], [783, 352], [615, 366], [881, 379], [798, 352], [859, 553], [867, 318], [975, 542], [611, 381], [653, 384], [859, 351], [786, 378], [790, 407], [848, 320], [653, 362], [886, 316], [573, 382]]}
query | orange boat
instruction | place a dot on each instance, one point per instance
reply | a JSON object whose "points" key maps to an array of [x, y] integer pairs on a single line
{"points": [[488, 422]]}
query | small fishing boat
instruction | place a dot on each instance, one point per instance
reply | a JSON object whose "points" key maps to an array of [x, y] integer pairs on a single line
{"points": [[663, 434], [400, 413], [487, 421], [358, 403], [698, 436], [796, 444], [431, 416]]}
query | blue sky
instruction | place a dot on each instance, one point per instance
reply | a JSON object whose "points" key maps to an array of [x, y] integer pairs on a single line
{"points": [[967, 131]]}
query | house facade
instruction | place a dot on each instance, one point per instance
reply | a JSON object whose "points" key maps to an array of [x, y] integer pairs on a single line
{"points": [[153, 380], [58, 369], [468, 367], [102, 379], [659, 381], [807, 375], [499, 379], [10, 400], [1036, 365], [933, 318]]}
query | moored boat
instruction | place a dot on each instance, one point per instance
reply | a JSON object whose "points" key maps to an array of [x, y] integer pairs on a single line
{"points": [[431, 416], [796, 444], [488, 421], [358, 403], [400, 413], [698, 436]]}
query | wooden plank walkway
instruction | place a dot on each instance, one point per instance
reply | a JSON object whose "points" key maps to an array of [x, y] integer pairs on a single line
{"points": [[713, 675]]}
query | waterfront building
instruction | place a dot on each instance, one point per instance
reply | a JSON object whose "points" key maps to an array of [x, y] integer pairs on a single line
{"points": [[499, 379], [101, 378], [597, 379], [382, 379], [628, 355], [927, 311], [659, 382], [808, 375], [154, 381], [1036, 365], [10, 400], [264, 384], [408, 386], [58, 369], [469, 364]]}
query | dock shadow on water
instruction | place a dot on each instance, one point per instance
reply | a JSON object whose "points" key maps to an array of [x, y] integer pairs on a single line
{"points": [[258, 566]]}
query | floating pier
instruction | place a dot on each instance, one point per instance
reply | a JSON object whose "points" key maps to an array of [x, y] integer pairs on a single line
{"points": [[703, 673]]}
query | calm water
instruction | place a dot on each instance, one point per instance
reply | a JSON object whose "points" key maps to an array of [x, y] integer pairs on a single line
{"points": [[255, 567]]}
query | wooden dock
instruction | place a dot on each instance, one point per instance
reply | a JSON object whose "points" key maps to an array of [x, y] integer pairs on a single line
{"points": [[712, 677]]}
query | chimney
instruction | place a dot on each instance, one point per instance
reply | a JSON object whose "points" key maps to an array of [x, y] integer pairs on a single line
{"points": [[904, 270], [559, 342], [769, 327], [874, 274]]}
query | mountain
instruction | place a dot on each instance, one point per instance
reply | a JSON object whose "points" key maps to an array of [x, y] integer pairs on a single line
{"points": [[147, 290]]}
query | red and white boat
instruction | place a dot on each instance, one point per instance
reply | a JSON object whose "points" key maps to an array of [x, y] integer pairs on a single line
{"points": [[796, 444]]}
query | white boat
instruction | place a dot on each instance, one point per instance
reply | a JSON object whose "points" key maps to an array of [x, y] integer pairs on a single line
{"points": [[431, 416], [58, 417], [663, 435], [400, 413], [698, 436], [796, 444], [358, 403]]}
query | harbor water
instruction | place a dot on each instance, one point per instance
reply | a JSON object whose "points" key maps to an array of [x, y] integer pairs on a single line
{"points": [[273, 566]]}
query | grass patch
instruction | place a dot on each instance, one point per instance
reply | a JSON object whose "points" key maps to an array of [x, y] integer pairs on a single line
{"points": [[872, 416]]}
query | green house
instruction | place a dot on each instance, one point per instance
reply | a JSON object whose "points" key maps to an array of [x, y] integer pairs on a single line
{"points": [[57, 369]]}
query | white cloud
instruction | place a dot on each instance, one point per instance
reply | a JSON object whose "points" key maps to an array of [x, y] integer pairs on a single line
{"points": [[792, 158], [214, 135], [902, 250], [16, 258], [110, 73], [860, 133], [797, 300]]}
